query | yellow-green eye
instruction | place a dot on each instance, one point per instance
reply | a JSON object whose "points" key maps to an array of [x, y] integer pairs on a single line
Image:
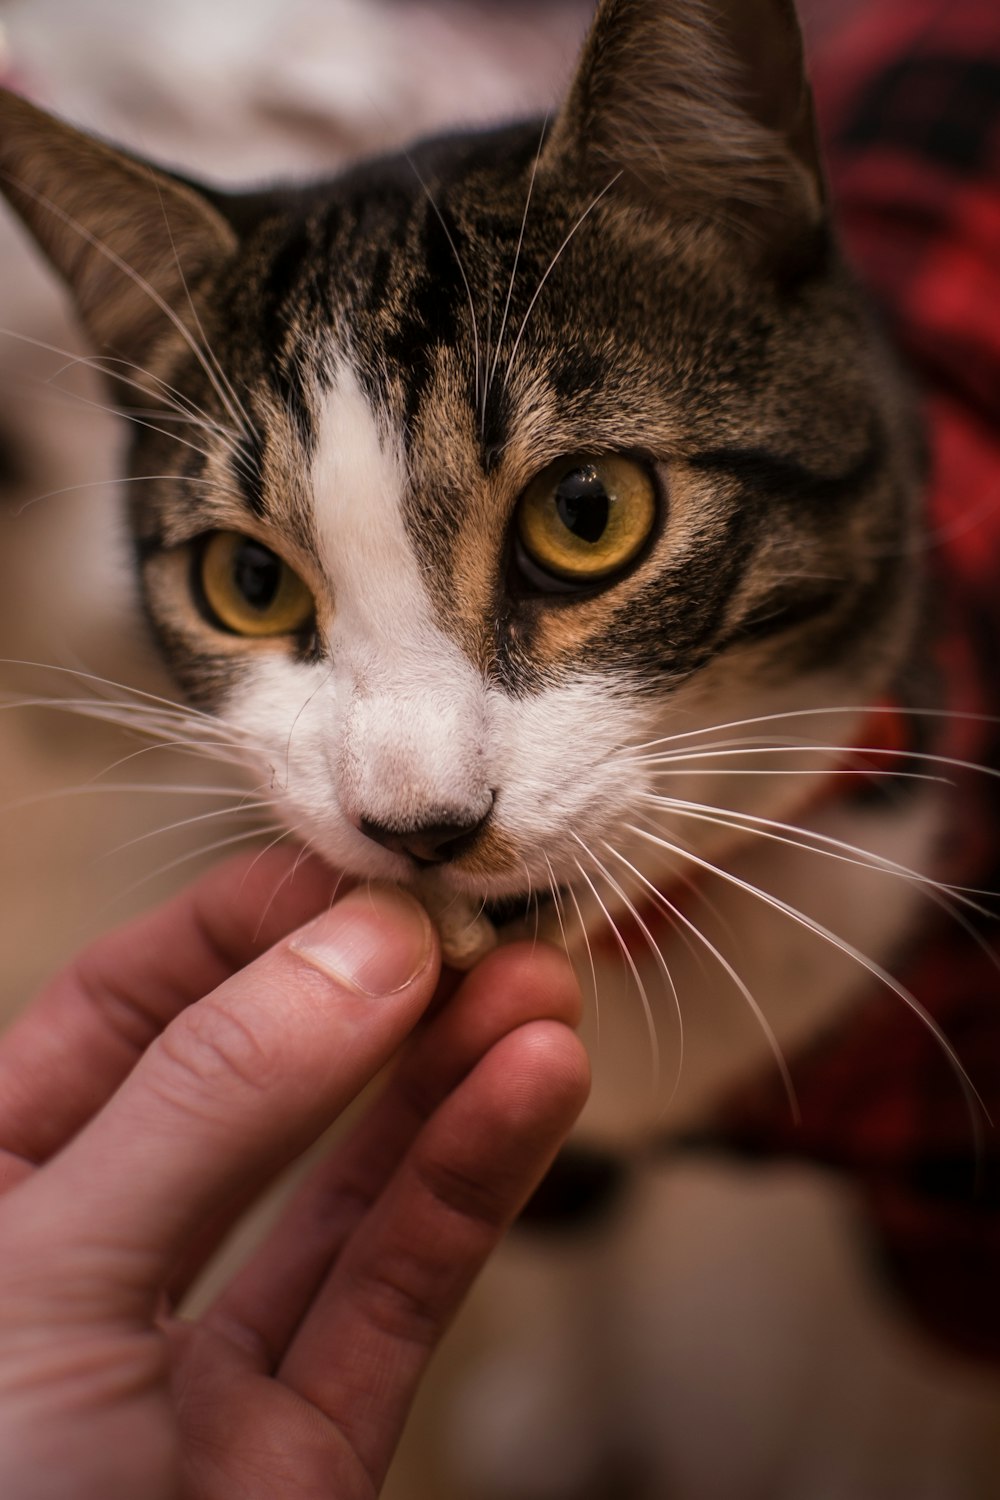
{"points": [[249, 589], [583, 519]]}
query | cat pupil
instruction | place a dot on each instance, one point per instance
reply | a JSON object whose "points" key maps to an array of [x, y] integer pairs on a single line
{"points": [[257, 574], [583, 504]]}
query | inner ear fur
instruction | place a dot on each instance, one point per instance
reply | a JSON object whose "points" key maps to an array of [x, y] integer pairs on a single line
{"points": [[703, 107], [130, 240]]}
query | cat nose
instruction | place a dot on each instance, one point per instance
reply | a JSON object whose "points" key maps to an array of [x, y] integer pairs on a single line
{"points": [[428, 843]]}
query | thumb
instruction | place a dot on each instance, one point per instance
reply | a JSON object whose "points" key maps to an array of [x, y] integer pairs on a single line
{"points": [[238, 1084]]}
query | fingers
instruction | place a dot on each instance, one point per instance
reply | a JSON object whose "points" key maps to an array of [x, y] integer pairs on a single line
{"points": [[236, 1085], [264, 1304], [67, 1054], [403, 1274]]}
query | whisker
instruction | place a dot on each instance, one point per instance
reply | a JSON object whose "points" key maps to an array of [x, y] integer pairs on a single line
{"points": [[200, 852], [137, 280], [629, 961], [108, 682], [550, 268], [112, 366], [207, 749], [279, 839], [458, 262], [677, 915], [120, 788], [287, 879], [107, 368], [97, 484], [557, 902], [658, 958], [218, 812], [946, 897], [590, 960], [288, 744], [517, 257], [244, 424], [482, 394], [855, 710], [974, 1101], [821, 843]]}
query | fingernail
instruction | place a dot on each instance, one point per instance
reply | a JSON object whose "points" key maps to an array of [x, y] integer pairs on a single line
{"points": [[375, 941]]}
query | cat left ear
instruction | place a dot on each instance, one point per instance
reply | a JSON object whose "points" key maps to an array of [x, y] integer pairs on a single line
{"points": [[703, 107], [129, 240]]}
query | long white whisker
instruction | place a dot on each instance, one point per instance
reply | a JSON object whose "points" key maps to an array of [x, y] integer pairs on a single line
{"points": [[203, 749], [111, 367], [517, 258], [458, 262], [108, 682], [140, 281], [658, 958], [855, 710], [288, 744], [800, 837], [947, 898], [590, 960], [98, 484], [677, 915], [175, 864], [219, 812], [550, 268], [151, 426], [287, 879], [246, 425], [629, 961], [973, 1098], [556, 901], [118, 789]]}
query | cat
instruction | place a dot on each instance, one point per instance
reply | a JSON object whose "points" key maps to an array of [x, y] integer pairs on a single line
{"points": [[534, 515]]}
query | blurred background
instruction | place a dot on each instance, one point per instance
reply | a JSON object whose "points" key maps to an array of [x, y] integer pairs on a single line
{"points": [[244, 93]]}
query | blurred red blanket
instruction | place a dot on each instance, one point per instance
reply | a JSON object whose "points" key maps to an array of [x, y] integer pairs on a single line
{"points": [[908, 97]]}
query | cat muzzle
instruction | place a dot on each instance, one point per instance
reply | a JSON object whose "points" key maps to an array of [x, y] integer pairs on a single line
{"points": [[428, 843]]}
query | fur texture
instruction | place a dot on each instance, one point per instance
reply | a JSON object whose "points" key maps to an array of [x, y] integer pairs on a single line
{"points": [[365, 375]]}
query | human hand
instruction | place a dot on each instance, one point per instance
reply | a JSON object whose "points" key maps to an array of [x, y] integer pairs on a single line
{"points": [[137, 1119]]}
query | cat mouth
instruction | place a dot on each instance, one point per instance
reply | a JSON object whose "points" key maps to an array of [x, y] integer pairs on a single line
{"points": [[520, 907]]}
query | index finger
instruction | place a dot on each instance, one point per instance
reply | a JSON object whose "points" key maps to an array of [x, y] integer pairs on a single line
{"points": [[237, 1086], [69, 1051]]}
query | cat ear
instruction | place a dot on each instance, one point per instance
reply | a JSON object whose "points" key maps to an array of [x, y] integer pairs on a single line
{"points": [[702, 106], [129, 239]]}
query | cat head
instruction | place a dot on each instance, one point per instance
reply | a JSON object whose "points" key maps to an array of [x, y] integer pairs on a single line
{"points": [[478, 473]]}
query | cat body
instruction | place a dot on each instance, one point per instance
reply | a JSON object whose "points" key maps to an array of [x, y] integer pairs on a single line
{"points": [[534, 516]]}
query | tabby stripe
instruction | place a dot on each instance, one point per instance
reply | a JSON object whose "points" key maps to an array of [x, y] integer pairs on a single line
{"points": [[767, 473], [247, 464]]}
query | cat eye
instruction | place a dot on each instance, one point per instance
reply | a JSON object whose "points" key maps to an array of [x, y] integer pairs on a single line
{"points": [[249, 590], [583, 519]]}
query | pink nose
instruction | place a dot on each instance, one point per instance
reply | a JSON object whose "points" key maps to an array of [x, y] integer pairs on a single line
{"points": [[428, 843]]}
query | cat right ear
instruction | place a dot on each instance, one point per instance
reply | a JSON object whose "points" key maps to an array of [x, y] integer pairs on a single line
{"points": [[129, 240], [698, 107]]}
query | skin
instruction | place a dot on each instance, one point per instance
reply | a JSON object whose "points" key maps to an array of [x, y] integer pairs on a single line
{"points": [[156, 1087]]}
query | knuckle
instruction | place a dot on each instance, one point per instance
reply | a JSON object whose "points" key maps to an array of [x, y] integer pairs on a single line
{"points": [[483, 1205], [403, 1303], [212, 1049]]}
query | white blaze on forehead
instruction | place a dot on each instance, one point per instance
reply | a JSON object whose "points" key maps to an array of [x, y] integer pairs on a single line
{"points": [[358, 485], [411, 736]]}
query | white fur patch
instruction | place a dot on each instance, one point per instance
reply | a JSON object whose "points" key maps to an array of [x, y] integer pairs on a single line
{"points": [[400, 728]]}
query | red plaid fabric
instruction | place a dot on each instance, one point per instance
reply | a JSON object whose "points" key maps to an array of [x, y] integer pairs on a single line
{"points": [[909, 104]]}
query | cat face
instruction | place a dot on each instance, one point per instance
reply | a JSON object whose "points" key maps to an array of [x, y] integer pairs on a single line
{"points": [[484, 468]]}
